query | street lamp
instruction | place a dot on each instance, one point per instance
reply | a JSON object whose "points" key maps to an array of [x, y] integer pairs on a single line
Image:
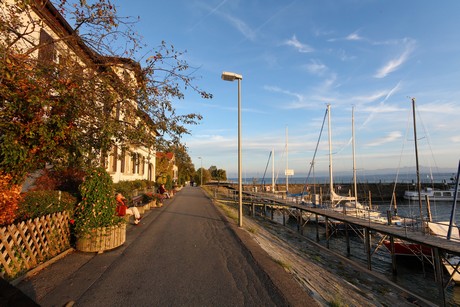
{"points": [[201, 168], [230, 76]]}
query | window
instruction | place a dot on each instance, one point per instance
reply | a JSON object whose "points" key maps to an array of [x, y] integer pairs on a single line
{"points": [[133, 162], [113, 159], [138, 162], [123, 161], [47, 53], [143, 166]]}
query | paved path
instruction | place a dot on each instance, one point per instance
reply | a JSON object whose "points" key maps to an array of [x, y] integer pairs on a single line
{"points": [[183, 254]]}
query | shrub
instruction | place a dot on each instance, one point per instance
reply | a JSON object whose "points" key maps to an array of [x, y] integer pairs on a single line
{"points": [[147, 197], [10, 195], [97, 207], [38, 203], [126, 187], [64, 180], [45, 182]]}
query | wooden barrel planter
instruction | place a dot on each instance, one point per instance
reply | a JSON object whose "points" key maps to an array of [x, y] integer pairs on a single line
{"points": [[102, 239], [153, 203], [140, 209]]}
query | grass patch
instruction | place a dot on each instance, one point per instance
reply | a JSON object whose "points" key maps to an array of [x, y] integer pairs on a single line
{"points": [[283, 264], [229, 212], [252, 230], [336, 302], [317, 258]]}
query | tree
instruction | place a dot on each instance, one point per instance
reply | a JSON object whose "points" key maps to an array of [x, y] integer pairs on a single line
{"points": [[186, 169], [206, 176], [62, 112], [217, 174]]}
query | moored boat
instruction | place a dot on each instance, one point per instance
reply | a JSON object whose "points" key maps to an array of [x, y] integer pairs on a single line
{"points": [[406, 248], [433, 194]]}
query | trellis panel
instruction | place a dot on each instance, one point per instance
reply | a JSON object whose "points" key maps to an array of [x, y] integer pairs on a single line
{"points": [[25, 245]]}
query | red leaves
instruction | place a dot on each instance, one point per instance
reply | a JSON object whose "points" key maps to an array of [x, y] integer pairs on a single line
{"points": [[9, 199]]}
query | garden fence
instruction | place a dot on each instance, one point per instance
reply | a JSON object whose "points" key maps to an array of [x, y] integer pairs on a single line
{"points": [[25, 245]]}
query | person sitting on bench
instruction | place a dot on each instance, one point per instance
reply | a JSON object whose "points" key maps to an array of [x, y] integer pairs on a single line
{"points": [[122, 209], [163, 191]]}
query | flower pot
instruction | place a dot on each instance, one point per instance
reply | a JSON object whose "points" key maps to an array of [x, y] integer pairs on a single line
{"points": [[140, 209], [153, 203], [102, 239], [146, 207]]}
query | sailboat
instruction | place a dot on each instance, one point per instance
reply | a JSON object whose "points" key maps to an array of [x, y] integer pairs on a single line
{"points": [[335, 199], [348, 204], [401, 247]]}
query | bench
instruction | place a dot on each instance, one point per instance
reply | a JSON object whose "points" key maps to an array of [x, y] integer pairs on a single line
{"points": [[137, 200]]}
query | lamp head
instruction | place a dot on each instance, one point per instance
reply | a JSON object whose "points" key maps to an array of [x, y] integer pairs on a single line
{"points": [[231, 76]]}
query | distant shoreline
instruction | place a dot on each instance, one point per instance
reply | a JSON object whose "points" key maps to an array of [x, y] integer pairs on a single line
{"points": [[380, 192], [426, 179]]}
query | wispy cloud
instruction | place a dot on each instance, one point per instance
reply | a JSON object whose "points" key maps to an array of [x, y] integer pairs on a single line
{"points": [[211, 11], [392, 136], [363, 99], [382, 107], [353, 37], [301, 47], [276, 89], [242, 27], [395, 63], [316, 67], [300, 101], [350, 37]]}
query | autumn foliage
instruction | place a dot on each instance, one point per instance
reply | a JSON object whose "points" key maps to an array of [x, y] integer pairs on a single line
{"points": [[65, 101], [10, 195]]}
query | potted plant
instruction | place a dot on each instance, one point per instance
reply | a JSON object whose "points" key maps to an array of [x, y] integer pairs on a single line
{"points": [[97, 228]]}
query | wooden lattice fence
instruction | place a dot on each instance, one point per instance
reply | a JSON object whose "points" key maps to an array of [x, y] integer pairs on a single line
{"points": [[25, 245]]}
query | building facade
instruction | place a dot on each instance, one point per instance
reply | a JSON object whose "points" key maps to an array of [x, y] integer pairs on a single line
{"points": [[47, 37]]}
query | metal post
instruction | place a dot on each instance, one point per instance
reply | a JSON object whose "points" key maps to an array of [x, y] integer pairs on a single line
{"points": [[230, 76], [240, 179]]}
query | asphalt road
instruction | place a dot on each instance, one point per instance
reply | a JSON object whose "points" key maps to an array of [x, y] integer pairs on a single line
{"points": [[183, 254]]}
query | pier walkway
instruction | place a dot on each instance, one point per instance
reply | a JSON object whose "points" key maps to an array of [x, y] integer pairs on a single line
{"points": [[183, 254]]}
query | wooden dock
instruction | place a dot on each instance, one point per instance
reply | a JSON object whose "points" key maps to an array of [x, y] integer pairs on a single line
{"points": [[439, 247]]}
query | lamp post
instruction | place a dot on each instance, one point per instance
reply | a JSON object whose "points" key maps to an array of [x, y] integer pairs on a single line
{"points": [[201, 168], [230, 76]]}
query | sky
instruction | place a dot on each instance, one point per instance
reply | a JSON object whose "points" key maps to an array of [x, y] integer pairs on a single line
{"points": [[296, 57]]}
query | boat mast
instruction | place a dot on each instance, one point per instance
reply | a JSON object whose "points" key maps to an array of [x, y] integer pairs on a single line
{"points": [[419, 186], [273, 171], [287, 163], [354, 156], [331, 184], [454, 205]]}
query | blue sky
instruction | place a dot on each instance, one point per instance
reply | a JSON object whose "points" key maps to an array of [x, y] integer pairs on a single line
{"points": [[298, 56]]}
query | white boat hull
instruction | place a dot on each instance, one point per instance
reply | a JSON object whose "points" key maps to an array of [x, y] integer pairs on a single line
{"points": [[433, 195]]}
